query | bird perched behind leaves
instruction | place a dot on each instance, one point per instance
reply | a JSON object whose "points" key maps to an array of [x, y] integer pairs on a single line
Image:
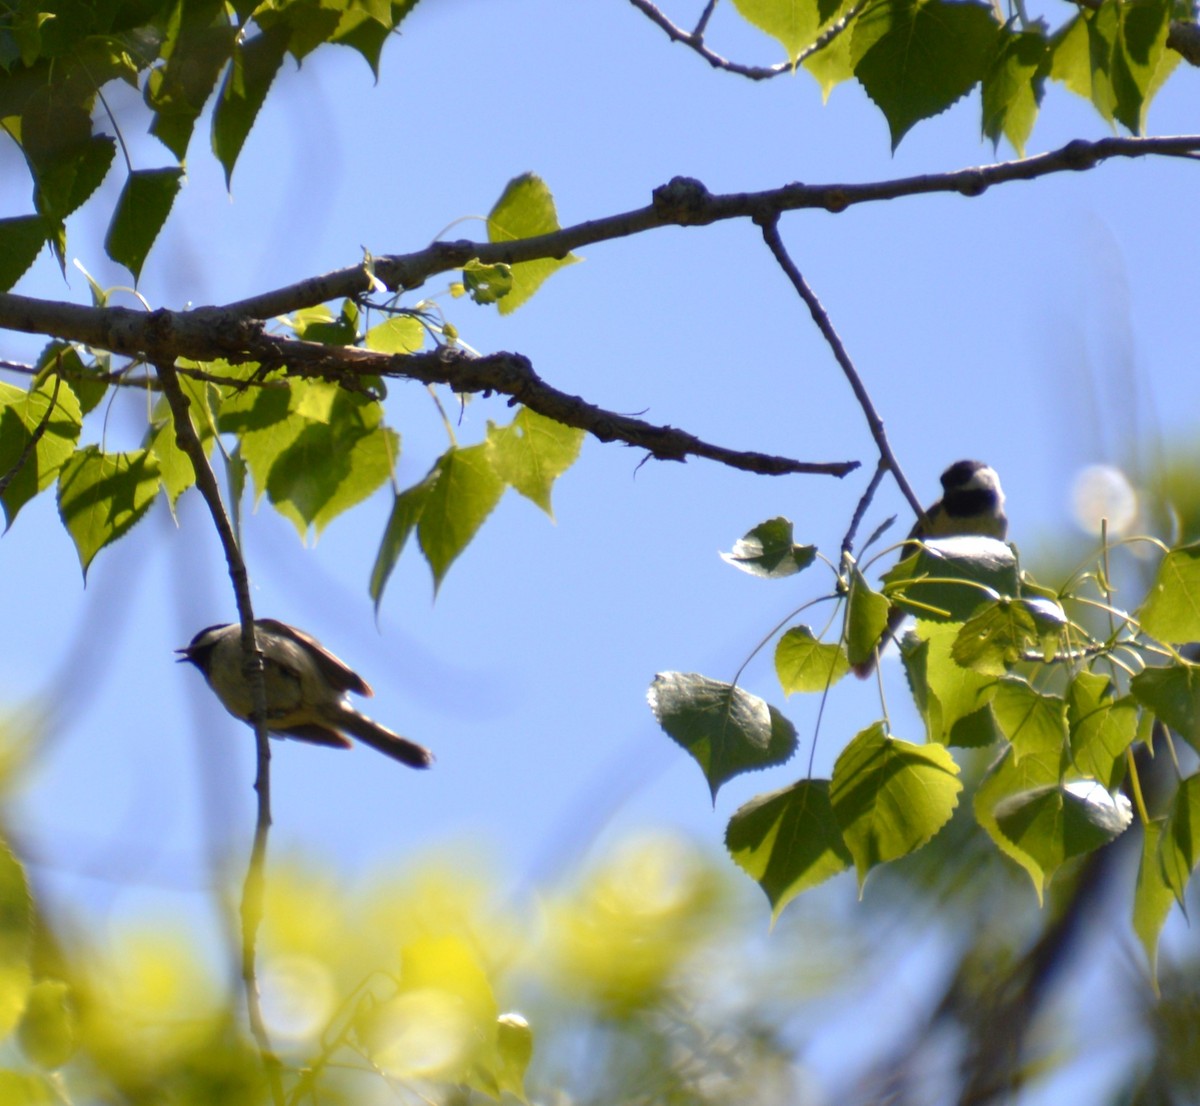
{"points": [[972, 503]]}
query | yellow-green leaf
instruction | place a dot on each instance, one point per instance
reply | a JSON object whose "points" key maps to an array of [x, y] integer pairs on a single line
{"points": [[102, 496], [531, 452], [788, 841], [465, 491], [525, 209], [803, 663], [29, 470], [1171, 611], [890, 797]]}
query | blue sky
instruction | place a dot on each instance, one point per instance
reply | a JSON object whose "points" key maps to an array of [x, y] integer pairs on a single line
{"points": [[1042, 326]]}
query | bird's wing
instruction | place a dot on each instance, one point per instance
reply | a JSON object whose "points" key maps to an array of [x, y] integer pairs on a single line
{"points": [[337, 673]]}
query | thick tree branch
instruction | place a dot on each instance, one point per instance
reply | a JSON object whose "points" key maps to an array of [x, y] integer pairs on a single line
{"points": [[208, 334], [252, 888], [686, 202]]}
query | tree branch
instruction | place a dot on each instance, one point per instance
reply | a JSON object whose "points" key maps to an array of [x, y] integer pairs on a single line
{"points": [[252, 888], [686, 202], [770, 231]]}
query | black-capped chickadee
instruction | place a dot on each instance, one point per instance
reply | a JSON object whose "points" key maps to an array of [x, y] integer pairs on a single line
{"points": [[306, 688], [972, 503]]}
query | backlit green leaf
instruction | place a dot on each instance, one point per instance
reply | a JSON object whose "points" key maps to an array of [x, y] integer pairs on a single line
{"points": [[1056, 822], [1102, 727], [793, 23], [1032, 721], [32, 470], [102, 496], [805, 664], [531, 452], [1012, 88], [1152, 898], [726, 730], [525, 209], [406, 513], [1006, 778], [465, 491], [890, 797], [1179, 846], [1171, 611], [955, 702], [788, 841], [866, 618]]}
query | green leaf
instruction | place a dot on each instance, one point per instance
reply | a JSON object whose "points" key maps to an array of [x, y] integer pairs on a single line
{"points": [[525, 209], [49, 1031], [769, 551], [406, 513], [793, 23], [16, 941], [1056, 822], [1007, 778], [1013, 87], [949, 579], [62, 358], [140, 214], [726, 730], [1171, 611], [317, 324], [1102, 727], [890, 797], [803, 663], [465, 491], [197, 48], [21, 413], [531, 452], [1152, 898], [833, 63], [487, 283], [1172, 693], [914, 58], [1179, 846], [102, 496], [1002, 633], [788, 841], [866, 618], [255, 63], [399, 334], [955, 702], [21, 240], [1032, 721]]}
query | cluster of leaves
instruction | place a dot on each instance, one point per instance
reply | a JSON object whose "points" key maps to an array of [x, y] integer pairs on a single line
{"points": [[315, 447], [995, 664], [57, 55], [915, 58]]}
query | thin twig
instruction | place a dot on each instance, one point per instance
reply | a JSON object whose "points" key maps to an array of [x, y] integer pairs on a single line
{"points": [[860, 511], [34, 438], [770, 231], [702, 22], [695, 41], [252, 888]]}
